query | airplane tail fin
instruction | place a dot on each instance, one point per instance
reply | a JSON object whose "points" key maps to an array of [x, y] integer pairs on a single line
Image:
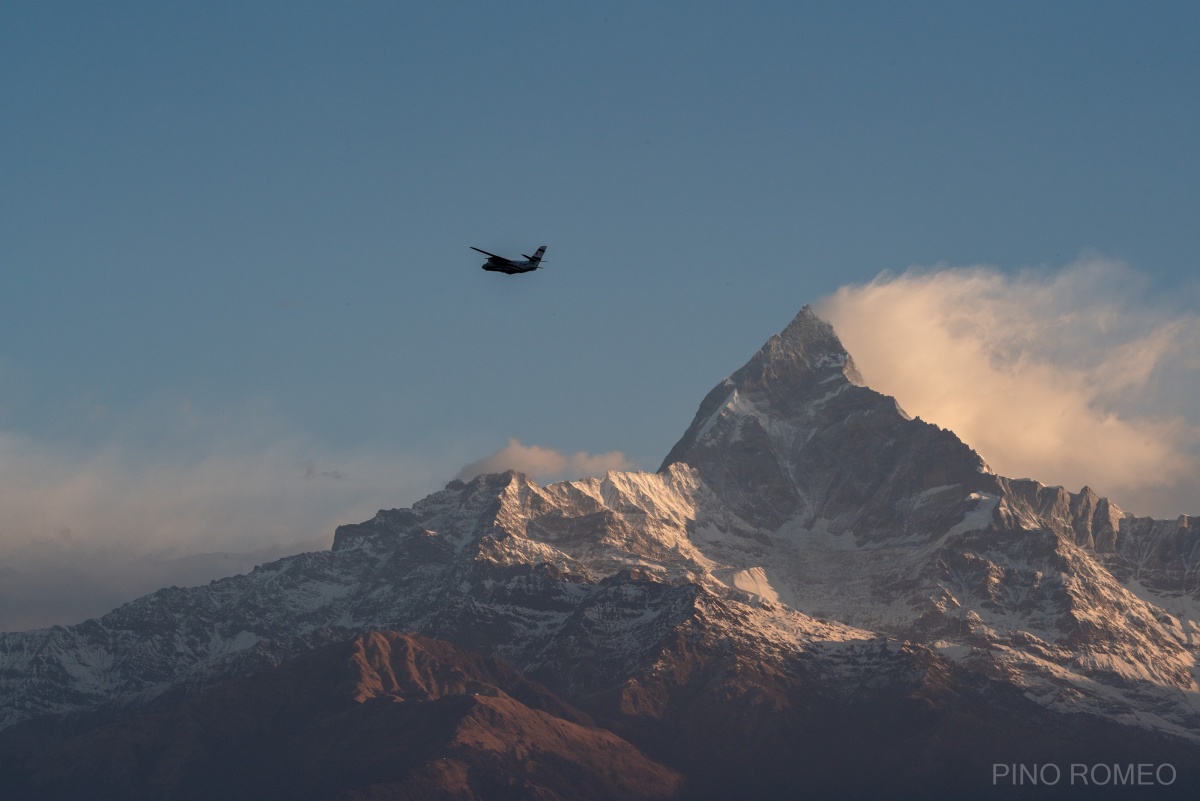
{"points": [[536, 258]]}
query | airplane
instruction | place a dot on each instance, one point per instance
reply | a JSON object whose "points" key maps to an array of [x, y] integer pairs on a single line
{"points": [[499, 264]]}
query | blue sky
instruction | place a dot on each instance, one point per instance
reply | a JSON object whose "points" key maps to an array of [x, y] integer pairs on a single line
{"points": [[235, 229]]}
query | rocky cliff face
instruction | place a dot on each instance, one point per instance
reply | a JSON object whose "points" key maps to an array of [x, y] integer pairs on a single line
{"points": [[805, 545]]}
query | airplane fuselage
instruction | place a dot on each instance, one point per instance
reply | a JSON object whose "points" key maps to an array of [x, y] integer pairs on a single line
{"points": [[508, 267]]}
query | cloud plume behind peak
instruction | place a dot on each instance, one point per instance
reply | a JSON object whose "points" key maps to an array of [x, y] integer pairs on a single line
{"points": [[1070, 377]]}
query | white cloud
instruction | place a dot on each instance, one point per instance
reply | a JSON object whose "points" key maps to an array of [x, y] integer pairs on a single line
{"points": [[544, 463], [1070, 377]]}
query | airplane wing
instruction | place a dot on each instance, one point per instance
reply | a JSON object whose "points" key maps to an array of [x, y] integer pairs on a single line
{"points": [[484, 252]]}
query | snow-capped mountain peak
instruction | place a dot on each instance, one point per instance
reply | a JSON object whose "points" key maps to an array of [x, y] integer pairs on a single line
{"points": [[801, 516]]}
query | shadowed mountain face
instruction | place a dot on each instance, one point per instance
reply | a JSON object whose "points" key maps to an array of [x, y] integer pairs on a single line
{"points": [[383, 716], [794, 435], [815, 593]]}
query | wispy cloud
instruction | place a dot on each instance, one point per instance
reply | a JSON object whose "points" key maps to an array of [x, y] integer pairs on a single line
{"points": [[544, 463], [1071, 377], [82, 531]]}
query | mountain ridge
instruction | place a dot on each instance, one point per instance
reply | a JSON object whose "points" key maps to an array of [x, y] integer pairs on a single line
{"points": [[803, 525]]}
